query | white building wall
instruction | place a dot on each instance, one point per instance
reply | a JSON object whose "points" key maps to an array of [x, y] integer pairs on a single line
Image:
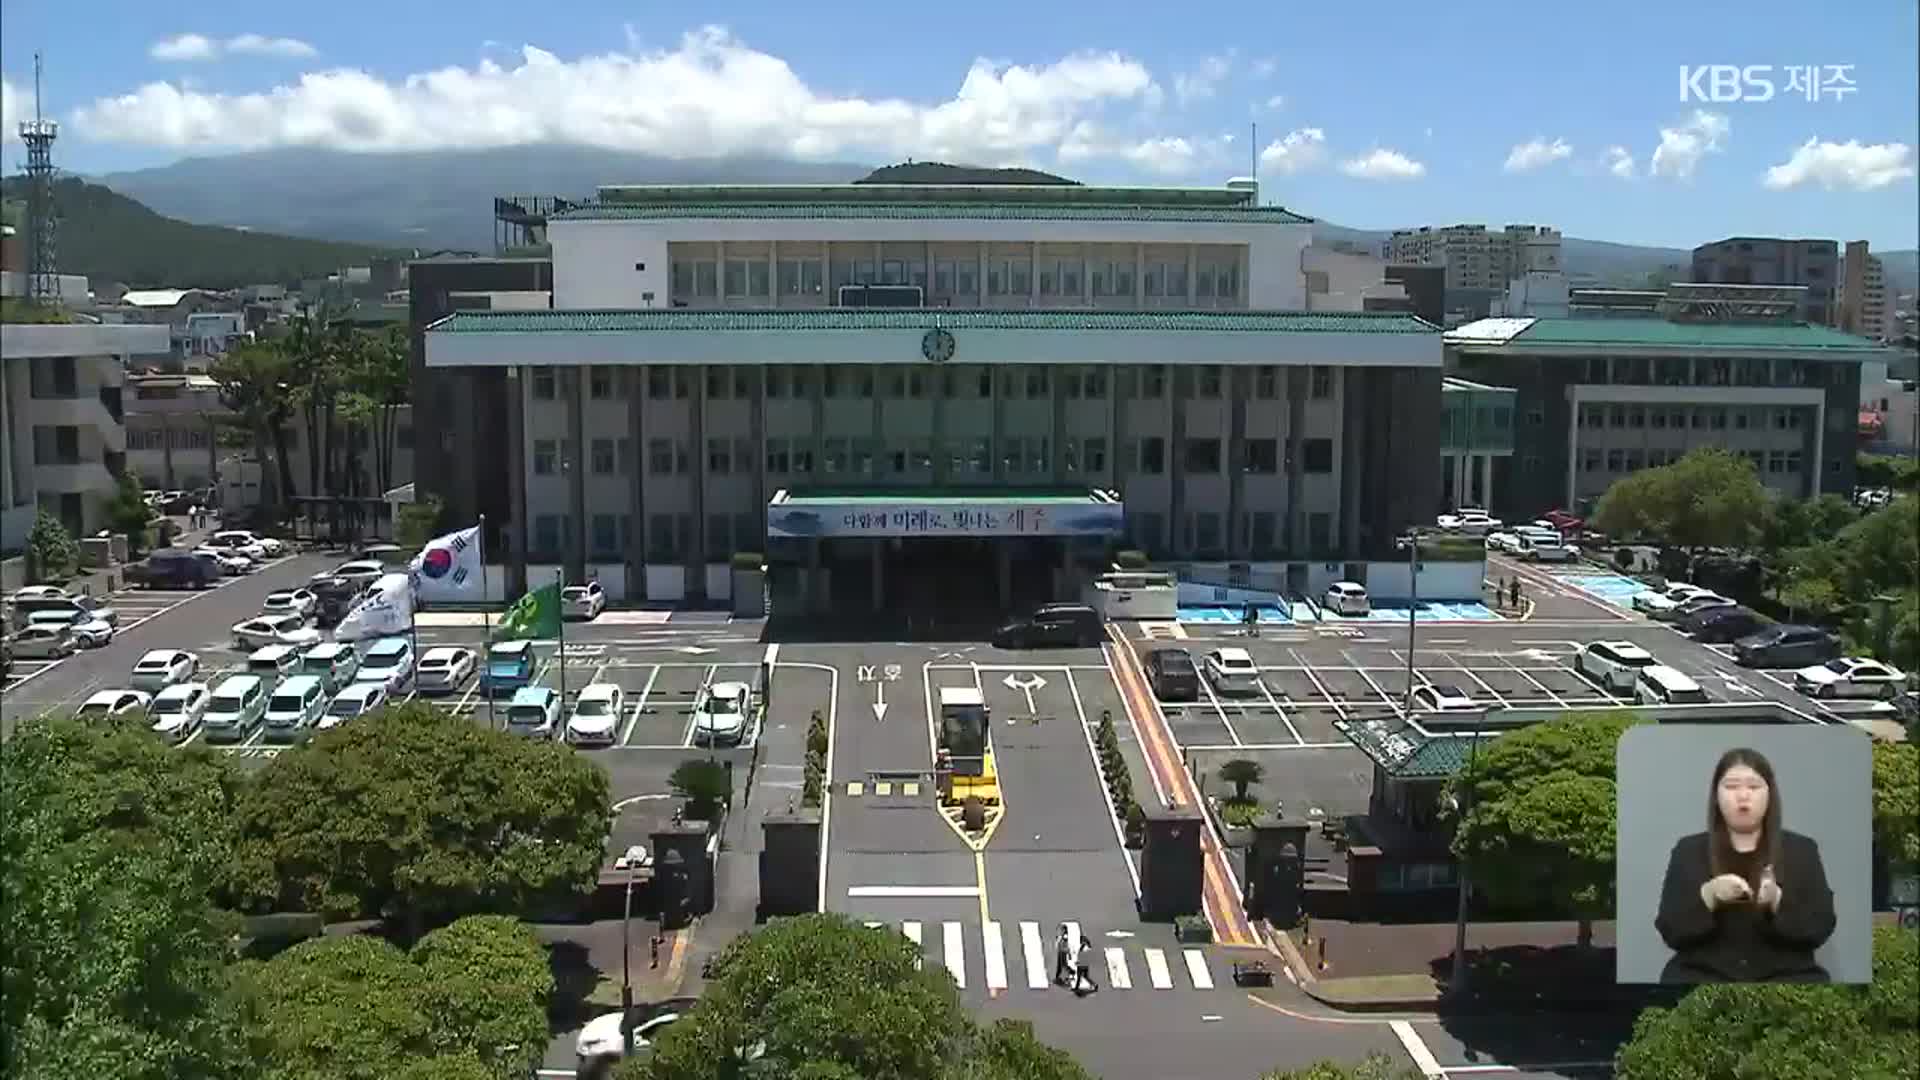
{"points": [[1341, 281]]}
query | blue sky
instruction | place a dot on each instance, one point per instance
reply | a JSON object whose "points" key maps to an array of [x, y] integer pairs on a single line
{"points": [[1373, 116]]}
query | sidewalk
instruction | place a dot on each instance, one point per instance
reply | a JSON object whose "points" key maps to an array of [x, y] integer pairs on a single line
{"points": [[1406, 966]]}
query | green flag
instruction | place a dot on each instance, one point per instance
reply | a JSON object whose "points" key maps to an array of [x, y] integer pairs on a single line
{"points": [[535, 615]]}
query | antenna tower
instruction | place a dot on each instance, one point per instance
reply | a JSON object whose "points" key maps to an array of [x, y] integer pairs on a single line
{"points": [[43, 282]]}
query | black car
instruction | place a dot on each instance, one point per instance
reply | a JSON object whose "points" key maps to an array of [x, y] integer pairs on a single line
{"points": [[1723, 625], [174, 570], [1053, 624], [1787, 647], [336, 597], [1172, 675]]}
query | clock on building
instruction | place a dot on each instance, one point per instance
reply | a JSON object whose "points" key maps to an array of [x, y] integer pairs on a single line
{"points": [[937, 346]]}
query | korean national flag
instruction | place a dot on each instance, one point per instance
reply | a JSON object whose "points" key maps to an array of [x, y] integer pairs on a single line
{"points": [[448, 568]]}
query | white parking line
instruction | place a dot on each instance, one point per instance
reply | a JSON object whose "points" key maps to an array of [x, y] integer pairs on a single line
{"points": [[626, 737], [1197, 969], [1268, 691], [686, 741], [1557, 699], [954, 948], [1157, 971], [1338, 707], [1207, 685], [1384, 696], [1471, 674]]}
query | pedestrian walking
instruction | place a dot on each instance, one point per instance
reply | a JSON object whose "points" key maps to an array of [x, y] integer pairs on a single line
{"points": [[1251, 616], [1082, 973], [1062, 946], [1513, 594]]}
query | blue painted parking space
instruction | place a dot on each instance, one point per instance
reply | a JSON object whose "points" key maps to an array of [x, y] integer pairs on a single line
{"points": [[1269, 614], [1423, 611], [1610, 588]]}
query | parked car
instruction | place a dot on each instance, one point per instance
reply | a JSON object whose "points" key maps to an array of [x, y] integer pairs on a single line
{"points": [[1687, 609], [235, 538], [721, 717], [1850, 677], [355, 701], [231, 563], [1612, 664], [388, 661], [237, 542], [24, 607], [509, 666], [294, 708], [1662, 685], [162, 668], [1172, 675], [360, 572], [178, 711], [1668, 597], [1723, 625], [1539, 544], [235, 710], [596, 715], [43, 642], [1231, 670], [39, 592], [444, 669], [1441, 698], [1347, 598], [274, 630], [1568, 524], [89, 632], [335, 596], [1787, 646], [114, 703], [1505, 541], [1053, 624], [534, 712], [602, 1041], [1469, 520], [173, 569], [583, 602], [334, 663], [299, 602]]}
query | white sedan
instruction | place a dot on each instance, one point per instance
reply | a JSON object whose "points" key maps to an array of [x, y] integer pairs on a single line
{"points": [[1232, 670], [268, 546], [274, 630], [595, 715], [114, 703], [89, 630], [1435, 698], [232, 564], [178, 711], [603, 1040], [1849, 677], [721, 716], [360, 572], [444, 669], [1505, 540], [583, 601], [162, 668], [1675, 594], [355, 701], [42, 642], [39, 592], [1470, 522], [290, 602]]}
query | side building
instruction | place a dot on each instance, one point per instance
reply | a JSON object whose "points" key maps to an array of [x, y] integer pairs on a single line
{"points": [[974, 383], [1596, 399]]}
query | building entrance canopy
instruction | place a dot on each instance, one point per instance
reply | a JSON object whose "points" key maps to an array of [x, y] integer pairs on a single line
{"points": [[984, 513]]}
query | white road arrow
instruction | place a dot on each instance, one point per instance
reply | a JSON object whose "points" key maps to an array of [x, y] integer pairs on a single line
{"points": [[1026, 683], [1739, 687], [879, 701], [1540, 656], [693, 650]]}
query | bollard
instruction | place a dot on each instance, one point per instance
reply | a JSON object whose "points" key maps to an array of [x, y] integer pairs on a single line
{"points": [[653, 952], [1323, 954]]}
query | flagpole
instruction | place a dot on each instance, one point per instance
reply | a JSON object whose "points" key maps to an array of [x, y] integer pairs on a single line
{"points": [[486, 621], [559, 586]]}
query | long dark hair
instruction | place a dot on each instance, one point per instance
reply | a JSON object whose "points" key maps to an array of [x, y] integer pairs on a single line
{"points": [[1719, 844]]}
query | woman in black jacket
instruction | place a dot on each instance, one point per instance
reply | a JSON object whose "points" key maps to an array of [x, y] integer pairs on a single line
{"points": [[1745, 901]]}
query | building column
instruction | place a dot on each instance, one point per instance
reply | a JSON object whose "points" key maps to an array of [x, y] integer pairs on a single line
{"points": [[996, 453], [1238, 390], [1486, 481], [636, 466], [879, 557], [166, 450], [1003, 574], [6, 441], [517, 477], [937, 393], [1181, 391], [694, 562], [575, 563], [1573, 448], [1295, 524]]}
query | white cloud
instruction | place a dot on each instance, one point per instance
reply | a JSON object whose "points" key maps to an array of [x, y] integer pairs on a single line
{"points": [[1300, 150], [1847, 165], [13, 109], [1536, 153], [1165, 155], [1619, 162], [202, 47], [1383, 164], [1203, 81], [710, 96], [1277, 102], [1683, 145]]}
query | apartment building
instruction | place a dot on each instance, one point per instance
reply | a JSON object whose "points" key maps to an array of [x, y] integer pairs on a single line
{"points": [[1758, 260], [860, 380], [63, 443], [1339, 280], [1474, 257], [1863, 293]]}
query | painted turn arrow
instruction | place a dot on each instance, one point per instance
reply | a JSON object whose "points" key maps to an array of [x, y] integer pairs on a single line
{"points": [[879, 701], [1022, 681]]}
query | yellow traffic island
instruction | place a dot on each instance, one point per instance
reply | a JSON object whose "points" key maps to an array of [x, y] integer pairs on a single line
{"points": [[971, 805]]}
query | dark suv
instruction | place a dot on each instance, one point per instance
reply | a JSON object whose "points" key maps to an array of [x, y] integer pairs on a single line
{"points": [[1787, 647], [1053, 624], [174, 570], [1722, 625], [1172, 675]]}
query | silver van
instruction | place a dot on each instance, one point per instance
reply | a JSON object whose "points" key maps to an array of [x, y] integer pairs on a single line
{"points": [[1662, 685], [235, 708], [333, 663], [273, 663], [295, 708]]}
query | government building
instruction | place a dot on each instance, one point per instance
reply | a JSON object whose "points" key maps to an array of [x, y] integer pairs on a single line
{"points": [[918, 394]]}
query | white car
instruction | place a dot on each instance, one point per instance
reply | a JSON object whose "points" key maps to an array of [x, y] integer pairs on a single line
{"points": [[114, 703], [602, 1039], [1232, 670], [534, 712], [237, 543], [1654, 601], [1849, 677], [179, 710], [231, 563], [444, 669], [1613, 664], [274, 630], [89, 631], [42, 642], [268, 546], [39, 592], [71, 605], [1505, 540], [596, 713], [1346, 598], [1539, 544], [583, 601], [720, 717], [360, 572], [289, 602], [357, 700], [162, 668], [1469, 521], [1436, 698]]}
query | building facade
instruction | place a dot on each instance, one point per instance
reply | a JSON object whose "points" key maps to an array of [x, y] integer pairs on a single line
{"points": [[1476, 441], [63, 442], [1476, 258], [1863, 293], [1597, 399], [1754, 260], [1349, 281], [710, 348]]}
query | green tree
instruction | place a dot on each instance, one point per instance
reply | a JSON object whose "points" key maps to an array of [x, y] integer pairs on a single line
{"points": [[1539, 816], [52, 552], [253, 381], [821, 996], [1896, 801], [418, 522], [1772, 1032], [128, 514], [420, 816], [1242, 773], [1374, 1067], [706, 785], [469, 1001], [113, 961], [1710, 498]]}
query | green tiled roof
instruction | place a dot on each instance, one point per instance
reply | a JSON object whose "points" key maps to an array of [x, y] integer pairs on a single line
{"points": [[1404, 753], [1263, 215], [681, 319], [1661, 333]]}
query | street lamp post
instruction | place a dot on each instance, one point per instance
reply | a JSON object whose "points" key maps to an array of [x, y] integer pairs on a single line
{"points": [[634, 857], [1411, 541], [1457, 983]]}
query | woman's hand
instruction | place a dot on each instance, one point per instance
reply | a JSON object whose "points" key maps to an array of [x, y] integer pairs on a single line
{"points": [[1769, 895], [1724, 890]]}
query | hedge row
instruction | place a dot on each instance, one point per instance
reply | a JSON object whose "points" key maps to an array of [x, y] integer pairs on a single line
{"points": [[816, 769]]}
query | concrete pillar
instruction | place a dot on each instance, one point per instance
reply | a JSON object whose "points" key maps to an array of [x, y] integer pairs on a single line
{"points": [[1003, 574], [574, 562], [636, 466], [1486, 481], [789, 863], [1172, 868], [814, 591], [517, 477], [695, 561], [879, 557]]}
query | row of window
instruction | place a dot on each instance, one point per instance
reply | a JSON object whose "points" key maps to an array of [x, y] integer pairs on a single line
{"points": [[1709, 371], [1047, 276], [1031, 381], [1774, 462], [969, 456], [1716, 418], [155, 438]]}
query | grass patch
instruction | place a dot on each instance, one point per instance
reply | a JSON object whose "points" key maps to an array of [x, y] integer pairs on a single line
{"points": [[1360, 989]]}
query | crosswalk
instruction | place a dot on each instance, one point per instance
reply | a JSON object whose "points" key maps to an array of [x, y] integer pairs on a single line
{"points": [[976, 955]]}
